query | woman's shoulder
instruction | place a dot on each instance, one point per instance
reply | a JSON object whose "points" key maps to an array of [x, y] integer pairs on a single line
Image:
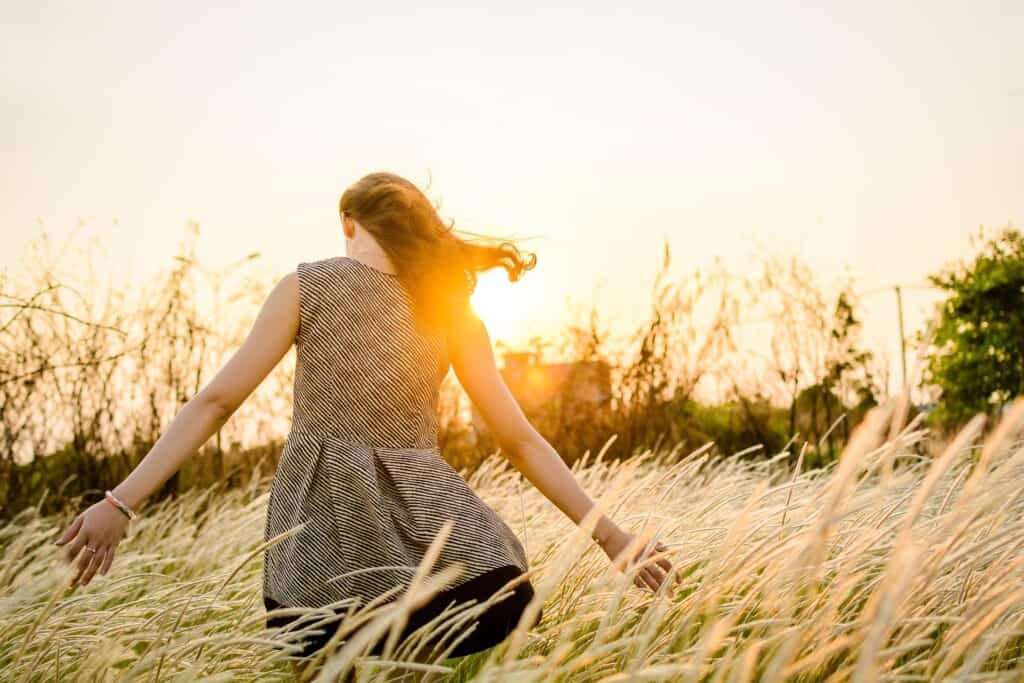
{"points": [[319, 283], [318, 269], [326, 263]]}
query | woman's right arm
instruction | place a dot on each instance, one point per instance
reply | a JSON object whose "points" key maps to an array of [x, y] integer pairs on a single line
{"points": [[527, 450]]}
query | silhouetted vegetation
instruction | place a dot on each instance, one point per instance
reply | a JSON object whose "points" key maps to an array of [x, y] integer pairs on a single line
{"points": [[759, 363]]}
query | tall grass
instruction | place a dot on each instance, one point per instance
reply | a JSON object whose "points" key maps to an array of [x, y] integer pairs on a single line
{"points": [[883, 566]]}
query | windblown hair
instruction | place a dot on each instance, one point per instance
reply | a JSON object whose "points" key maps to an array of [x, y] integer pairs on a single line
{"points": [[437, 267]]}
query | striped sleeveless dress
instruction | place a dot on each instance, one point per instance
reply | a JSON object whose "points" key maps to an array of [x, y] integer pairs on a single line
{"points": [[361, 467]]}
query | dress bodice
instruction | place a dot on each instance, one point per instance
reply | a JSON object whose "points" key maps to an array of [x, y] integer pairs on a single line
{"points": [[363, 370]]}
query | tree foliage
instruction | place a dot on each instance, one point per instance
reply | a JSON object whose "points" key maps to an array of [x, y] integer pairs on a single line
{"points": [[978, 349]]}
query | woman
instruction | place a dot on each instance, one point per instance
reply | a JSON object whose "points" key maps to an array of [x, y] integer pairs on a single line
{"points": [[375, 333]]}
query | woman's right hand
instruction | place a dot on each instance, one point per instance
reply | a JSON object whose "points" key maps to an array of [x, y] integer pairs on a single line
{"points": [[93, 535], [624, 548]]}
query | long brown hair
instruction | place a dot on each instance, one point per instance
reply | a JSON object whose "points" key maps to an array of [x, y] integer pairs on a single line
{"points": [[437, 267]]}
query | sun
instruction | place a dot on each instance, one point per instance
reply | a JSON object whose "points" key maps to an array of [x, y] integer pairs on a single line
{"points": [[501, 305]]}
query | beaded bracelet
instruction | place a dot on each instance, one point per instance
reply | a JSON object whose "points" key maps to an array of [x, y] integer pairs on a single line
{"points": [[119, 504]]}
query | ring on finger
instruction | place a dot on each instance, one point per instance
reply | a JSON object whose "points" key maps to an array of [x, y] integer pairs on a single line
{"points": [[90, 548]]}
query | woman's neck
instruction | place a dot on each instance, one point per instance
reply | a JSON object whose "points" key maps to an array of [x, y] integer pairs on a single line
{"points": [[370, 253]]}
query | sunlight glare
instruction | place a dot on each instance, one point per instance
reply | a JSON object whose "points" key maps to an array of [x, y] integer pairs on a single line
{"points": [[501, 305]]}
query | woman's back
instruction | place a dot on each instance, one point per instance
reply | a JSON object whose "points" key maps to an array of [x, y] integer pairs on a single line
{"points": [[363, 371], [361, 467]]}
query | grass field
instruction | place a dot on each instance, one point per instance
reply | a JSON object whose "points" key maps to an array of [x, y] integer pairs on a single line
{"points": [[885, 566]]}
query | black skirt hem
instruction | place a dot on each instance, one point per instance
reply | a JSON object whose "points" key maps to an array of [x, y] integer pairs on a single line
{"points": [[491, 627]]}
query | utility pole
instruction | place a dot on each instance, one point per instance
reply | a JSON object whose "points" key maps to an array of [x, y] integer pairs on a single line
{"points": [[903, 339]]}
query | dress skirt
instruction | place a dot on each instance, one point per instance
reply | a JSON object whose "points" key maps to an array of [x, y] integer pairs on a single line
{"points": [[488, 629], [366, 516]]}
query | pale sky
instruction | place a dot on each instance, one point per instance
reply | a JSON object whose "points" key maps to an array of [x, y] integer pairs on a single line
{"points": [[871, 135]]}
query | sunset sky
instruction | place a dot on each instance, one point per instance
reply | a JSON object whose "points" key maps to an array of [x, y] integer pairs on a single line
{"points": [[874, 136]]}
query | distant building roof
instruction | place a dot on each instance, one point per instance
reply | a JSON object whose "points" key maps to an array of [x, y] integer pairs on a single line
{"points": [[539, 387]]}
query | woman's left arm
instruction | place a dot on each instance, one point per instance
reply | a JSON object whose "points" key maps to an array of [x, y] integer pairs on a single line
{"points": [[102, 526]]}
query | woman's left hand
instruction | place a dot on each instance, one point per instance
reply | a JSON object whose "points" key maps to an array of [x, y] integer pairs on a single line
{"points": [[654, 572], [94, 535]]}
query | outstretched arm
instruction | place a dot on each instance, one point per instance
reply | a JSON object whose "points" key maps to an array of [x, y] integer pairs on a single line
{"points": [[473, 362], [271, 336], [102, 526]]}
